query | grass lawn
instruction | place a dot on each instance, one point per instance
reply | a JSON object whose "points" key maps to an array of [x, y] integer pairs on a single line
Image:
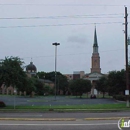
{"points": [[118, 106], [86, 107], [88, 96]]}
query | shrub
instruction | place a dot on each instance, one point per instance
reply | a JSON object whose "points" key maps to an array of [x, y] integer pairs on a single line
{"points": [[2, 104], [120, 97]]}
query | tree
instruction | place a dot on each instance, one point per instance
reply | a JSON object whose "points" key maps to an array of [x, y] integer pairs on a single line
{"points": [[30, 86], [50, 76], [61, 81], [47, 90], [11, 72], [116, 82], [101, 85], [41, 75], [80, 86], [39, 87]]}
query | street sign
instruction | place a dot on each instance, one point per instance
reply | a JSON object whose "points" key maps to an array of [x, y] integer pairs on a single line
{"points": [[126, 92], [128, 41]]}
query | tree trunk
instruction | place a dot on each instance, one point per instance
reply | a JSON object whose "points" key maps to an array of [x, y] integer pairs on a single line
{"points": [[103, 94], [80, 95]]}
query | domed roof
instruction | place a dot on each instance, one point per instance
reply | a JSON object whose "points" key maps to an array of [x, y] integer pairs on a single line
{"points": [[31, 67]]}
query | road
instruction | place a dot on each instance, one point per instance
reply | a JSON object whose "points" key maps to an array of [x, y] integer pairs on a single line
{"points": [[82, 121], [59, 125], [77, 115]]}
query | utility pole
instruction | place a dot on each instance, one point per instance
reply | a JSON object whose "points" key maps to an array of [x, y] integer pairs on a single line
{"points": [[55, 44], [126, 57]]}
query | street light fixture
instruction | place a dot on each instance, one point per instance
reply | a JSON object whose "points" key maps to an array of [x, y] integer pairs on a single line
{"points": [[55, 44]]}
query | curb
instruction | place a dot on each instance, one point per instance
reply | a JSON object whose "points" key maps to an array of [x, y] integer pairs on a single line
{"points": [[39, 119], [107, 118], [63, 110], [120, 101], [61, 119]]}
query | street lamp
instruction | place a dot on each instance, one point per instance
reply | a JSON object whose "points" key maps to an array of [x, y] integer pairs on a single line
{"points": [[14, 98], [56, 44]]}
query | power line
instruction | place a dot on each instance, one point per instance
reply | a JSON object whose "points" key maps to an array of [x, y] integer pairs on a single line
{"points": [[22, 18], [74, 54], [69, 16], [49, 25], [63, 5]]}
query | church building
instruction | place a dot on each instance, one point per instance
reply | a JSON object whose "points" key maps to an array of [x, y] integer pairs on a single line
{"points": [[95, 72]]}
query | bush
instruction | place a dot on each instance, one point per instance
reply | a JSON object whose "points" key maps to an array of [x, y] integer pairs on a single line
{"points": [[120, 97], [2, 104]]}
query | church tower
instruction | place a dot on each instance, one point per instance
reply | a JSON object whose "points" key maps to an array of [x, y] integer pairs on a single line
{"points": [[95, 56]]}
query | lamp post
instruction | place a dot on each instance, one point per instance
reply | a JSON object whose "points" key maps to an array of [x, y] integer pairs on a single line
{"points": [[55, 44], [14, 98], [44, 84]]}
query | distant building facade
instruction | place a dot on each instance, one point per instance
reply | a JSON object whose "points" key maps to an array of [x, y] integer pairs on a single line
{"points": [[78, 74], [75, 75], [47, 82], [69, 76]]}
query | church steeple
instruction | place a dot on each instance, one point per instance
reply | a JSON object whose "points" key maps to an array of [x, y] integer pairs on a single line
{"points": [[95, 44], [95, 38], [95, 55]]}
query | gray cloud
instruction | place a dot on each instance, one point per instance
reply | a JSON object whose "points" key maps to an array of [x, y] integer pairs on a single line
{"points": [[77, 39]]}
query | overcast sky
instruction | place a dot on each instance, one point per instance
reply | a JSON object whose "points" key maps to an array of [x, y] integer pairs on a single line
{"points": [[29, 27]]}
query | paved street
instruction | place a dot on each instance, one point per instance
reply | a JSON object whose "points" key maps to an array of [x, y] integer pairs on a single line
{"points": [[77, 115], [60, 100], [59, 125]]}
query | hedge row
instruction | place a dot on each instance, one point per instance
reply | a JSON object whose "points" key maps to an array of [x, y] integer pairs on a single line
{"points": [[120, 97], [2, 104]]}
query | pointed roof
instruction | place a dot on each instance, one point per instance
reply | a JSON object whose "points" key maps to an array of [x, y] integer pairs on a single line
{"points": [[95, 44]]}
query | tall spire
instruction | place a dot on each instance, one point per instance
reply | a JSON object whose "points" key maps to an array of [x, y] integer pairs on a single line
{"points": [[95, 44], [95, 56]]}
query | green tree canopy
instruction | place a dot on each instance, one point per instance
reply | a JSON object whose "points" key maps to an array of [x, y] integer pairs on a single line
{"points": [[61, 80], [39, 86], [41, 75], [101, 85], [11, 72], [116, 82], [29, 85], [62, 83], [80, 86]]}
